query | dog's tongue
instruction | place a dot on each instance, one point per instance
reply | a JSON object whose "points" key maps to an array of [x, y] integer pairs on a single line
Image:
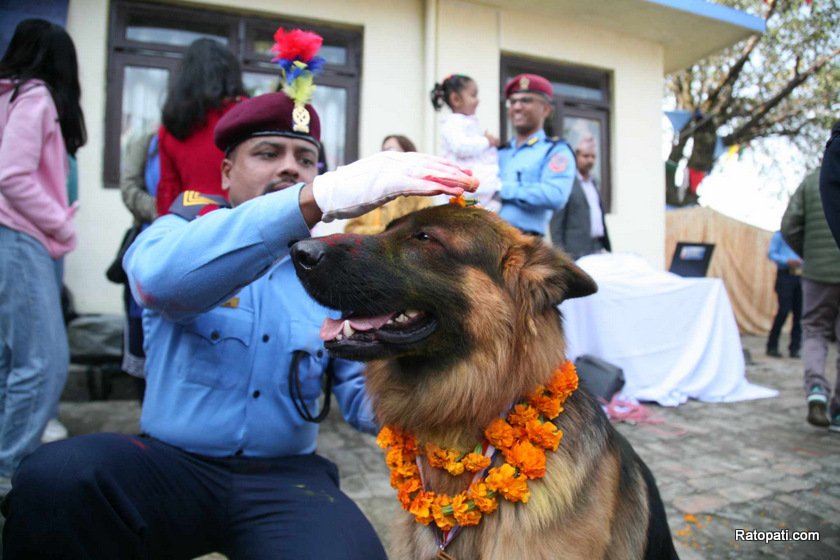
{"points": [[332, 327]]}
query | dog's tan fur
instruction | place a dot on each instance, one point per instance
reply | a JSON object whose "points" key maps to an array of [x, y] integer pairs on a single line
{"points": [[584, 507]]}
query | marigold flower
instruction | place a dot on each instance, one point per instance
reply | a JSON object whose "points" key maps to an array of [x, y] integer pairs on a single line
{"points": [[407, 470], [519, 434], [474, 462], [409, 445], [396, 479], [387, 437], [442, 520], [394, 457], [548, 406], [499, 433], [464, 511], [405, 493], [522, 414], [438, 456], [544, 434], [454, 468], [459, 505], [564, 382], [458, 200], [482, 497], [421, 507], [503, 480], [530, 460]]}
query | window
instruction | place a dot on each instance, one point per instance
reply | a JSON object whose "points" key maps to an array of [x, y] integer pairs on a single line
{"points": [[148, 41], [582, 103]]}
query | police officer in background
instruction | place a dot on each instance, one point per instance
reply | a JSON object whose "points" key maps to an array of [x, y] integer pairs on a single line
{"points": [[226, 460], [537, 171]]}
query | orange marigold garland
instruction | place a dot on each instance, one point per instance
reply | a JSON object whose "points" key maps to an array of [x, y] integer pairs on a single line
{"points": [[523, 437]]}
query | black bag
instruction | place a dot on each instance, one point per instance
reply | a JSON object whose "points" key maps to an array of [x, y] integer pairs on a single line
{"points": [[115, 272], [601, 378]]}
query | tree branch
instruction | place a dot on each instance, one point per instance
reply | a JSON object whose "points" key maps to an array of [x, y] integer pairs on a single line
{"points": [[796, 81], [774, 126], [736, 69]]}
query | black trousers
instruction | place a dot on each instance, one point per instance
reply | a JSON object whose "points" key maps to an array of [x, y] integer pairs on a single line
{"points": [[789, 294], [112, 496]]}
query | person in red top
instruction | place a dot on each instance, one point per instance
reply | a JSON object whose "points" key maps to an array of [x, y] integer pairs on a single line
{"points": [[208, 84]]}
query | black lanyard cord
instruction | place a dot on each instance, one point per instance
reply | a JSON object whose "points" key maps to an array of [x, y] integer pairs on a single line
{"points": [[296, 393]]}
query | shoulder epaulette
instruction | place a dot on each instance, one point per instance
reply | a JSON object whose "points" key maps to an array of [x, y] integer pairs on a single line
{"points": [[558, 141], [192, 204]]}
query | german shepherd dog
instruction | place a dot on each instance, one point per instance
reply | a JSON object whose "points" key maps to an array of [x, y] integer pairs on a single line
{"points": [[456, 313]]}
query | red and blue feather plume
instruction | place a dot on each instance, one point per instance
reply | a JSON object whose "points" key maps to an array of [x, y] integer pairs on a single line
{"points": [[296, 54]]}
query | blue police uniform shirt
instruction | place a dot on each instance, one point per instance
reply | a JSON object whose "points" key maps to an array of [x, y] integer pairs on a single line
{"points": [[224, 313], [537, 179], [780, 252]]}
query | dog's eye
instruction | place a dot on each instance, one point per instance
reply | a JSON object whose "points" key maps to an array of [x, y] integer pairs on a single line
{"points": [[422, 236]]}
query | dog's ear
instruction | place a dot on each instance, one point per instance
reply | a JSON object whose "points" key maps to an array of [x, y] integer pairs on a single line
{"points": [[542, 277]]}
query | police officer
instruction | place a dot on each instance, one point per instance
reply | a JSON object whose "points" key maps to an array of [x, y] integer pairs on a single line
{"points": [[234, 371], [537, 171]]}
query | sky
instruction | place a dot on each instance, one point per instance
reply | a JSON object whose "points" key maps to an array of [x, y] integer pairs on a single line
{"points": [[754, 189]]}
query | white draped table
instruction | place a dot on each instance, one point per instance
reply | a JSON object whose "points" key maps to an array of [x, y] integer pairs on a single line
{"points": [[675, 338]]}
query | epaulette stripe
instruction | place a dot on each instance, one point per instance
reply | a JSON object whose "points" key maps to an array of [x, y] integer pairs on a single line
{"points": [[191, 198], [192, 204]]}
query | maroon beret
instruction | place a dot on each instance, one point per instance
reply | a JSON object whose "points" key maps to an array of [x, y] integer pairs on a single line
{"points": [[528, 83], [270, 114]]}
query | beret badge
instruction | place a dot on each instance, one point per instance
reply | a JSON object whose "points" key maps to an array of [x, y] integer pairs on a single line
{"points": [[300, 118]]}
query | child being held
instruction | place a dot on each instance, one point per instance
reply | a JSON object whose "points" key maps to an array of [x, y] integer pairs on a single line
{"points": [[464, 141]]}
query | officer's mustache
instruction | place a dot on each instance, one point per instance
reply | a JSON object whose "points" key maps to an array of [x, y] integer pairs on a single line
{"points": [[279, 184]]}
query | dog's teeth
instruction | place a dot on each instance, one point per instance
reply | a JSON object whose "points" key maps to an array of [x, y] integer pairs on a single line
{"points": [[412, 313], [401, 318], [339, 336], [348, 330], [389, 322]]}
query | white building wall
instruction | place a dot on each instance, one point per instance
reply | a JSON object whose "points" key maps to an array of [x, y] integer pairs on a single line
{"points": [[102, 218], [463, 37]]}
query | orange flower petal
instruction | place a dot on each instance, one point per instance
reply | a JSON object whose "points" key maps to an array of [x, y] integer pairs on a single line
{"points": [[442, 520], [475, 462], [499, 433], [530, 460]]}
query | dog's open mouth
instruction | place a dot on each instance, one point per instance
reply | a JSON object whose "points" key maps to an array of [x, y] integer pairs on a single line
{"points": [[355, 332]]}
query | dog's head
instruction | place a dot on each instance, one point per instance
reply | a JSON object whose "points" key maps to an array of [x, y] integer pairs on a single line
{"points": [[425, 289]]}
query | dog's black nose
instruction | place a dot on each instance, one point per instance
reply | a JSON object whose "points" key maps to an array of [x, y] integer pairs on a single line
{"points": [[308, 253]]}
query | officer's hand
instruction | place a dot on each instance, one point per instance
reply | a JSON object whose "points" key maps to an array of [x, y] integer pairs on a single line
{"points": [[354, 189]]}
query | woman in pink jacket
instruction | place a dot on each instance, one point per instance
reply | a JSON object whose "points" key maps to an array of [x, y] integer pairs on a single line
{"points": [[40, 123]]}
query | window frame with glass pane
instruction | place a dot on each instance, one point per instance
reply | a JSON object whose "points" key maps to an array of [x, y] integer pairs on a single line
{"points": [[155, 37]]}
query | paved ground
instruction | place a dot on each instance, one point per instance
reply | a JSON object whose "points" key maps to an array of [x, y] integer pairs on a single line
{"points": [[754, 465]]}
